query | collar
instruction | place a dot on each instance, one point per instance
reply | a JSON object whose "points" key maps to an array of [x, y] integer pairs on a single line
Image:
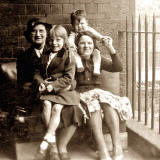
{"points": [[38, 52], [59, 53]]}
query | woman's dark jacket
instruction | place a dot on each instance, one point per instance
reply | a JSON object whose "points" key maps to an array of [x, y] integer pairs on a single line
{"points": [[27, 63], [87, 80]]}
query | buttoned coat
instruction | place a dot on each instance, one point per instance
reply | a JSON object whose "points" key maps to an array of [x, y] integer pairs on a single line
{"points": [[61, 71], [87, 80], [27, 63]]}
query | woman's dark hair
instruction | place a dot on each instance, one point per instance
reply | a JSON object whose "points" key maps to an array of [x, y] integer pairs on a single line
{"points": [[32, 23], [77, 15], [77, 39]]}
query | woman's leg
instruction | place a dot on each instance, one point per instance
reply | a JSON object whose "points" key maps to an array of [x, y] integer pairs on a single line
{"points": [[112, 120], [95, 122], [64, 137]]}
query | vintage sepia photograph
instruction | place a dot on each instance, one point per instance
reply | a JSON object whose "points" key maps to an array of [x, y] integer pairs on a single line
{"points": [[80, 80]]}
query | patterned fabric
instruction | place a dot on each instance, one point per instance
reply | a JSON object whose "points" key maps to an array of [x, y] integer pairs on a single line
{"points": [[94, 97]]}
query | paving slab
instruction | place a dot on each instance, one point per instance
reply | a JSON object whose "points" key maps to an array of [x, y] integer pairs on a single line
{"points": [[26, 151]]}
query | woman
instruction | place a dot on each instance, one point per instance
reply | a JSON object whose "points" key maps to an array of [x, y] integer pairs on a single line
{"points": [[27, 63], [95, 99]]}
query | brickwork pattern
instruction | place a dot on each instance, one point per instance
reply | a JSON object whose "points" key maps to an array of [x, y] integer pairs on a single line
{"points": [[106, 16]]}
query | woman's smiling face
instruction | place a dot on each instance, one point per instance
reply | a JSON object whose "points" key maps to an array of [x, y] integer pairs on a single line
{"points": [[39, 34], [85, 46]]}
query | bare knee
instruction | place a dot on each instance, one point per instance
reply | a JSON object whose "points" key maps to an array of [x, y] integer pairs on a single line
{"points": [[109, 110], [47, 105], [95, 120], [106, 107], [57, 108]]}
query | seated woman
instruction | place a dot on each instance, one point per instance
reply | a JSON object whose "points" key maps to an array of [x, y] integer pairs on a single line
{"points": [[56, 89], [29, 60], [94, 99]]}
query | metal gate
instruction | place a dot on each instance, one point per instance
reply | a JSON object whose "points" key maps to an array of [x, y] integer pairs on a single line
{"points": [[142, 48]]}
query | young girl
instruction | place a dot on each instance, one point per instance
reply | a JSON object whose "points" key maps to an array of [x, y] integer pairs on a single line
{"points": [[56, 86], [80, 25]]}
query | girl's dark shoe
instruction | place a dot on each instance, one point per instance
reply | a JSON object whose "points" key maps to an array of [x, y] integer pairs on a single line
{"points": [[64, 156], [53, 152]]}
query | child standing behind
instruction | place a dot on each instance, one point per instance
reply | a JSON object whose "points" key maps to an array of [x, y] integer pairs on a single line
{"points": [[56, 86], [80, 25]]}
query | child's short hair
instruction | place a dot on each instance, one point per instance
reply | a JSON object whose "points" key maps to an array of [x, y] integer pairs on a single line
{"points": [[77, 15], [59, 31]]}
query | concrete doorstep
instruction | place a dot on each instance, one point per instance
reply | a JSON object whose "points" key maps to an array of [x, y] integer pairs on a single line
{"points": [[143, 139], [78, 150]]}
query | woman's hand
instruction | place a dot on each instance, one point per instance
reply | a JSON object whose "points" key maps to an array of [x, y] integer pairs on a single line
{"points": [[49, 88], [42, 87], [107, 41]]}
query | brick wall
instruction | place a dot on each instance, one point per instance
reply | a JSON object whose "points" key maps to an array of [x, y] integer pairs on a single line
{"points": [[106, 16]]}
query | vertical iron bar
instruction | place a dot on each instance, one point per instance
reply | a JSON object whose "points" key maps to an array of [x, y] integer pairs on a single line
{"points": [[133, 68], [146, 71], [153, 71], [127, 57], [159, 107], [139, 68]]}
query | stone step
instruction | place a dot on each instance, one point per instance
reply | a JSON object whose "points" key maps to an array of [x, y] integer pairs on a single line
{"points": [[27, 150]]}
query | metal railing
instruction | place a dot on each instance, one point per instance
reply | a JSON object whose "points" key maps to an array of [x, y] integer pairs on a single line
{"points": [[142, 77]]}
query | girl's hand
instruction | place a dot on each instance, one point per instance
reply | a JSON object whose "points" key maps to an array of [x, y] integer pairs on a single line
{"points": [[49, 88], [42, 87], [107, 41]]}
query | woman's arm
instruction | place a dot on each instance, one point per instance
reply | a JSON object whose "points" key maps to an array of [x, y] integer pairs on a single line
{"points": [[37, 77], [113, 65]]}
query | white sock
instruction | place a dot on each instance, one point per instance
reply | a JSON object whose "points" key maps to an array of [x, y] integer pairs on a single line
{"points": [[50, 138], [44, 145]]}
